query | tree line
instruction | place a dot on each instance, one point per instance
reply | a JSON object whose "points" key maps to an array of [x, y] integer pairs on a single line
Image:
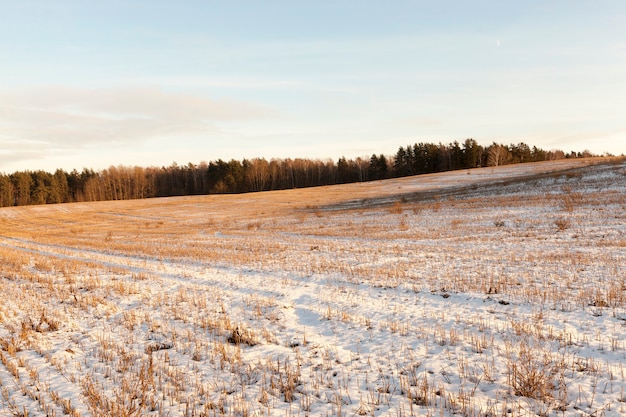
{"points": [[257, 174]]}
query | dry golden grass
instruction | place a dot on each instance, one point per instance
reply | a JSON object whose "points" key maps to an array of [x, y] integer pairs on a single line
{"points": [[144, 296]]}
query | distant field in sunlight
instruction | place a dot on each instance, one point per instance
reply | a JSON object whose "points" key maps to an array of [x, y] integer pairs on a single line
{"points": [[484, 292]]}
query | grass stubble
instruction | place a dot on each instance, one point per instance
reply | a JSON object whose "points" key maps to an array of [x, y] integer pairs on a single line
{"points": [[473, 293]]}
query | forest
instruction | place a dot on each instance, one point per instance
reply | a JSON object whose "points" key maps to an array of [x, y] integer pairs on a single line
{"points": [[257, 174]]}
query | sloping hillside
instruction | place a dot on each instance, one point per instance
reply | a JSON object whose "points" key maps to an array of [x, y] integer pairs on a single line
{"points": [[493, 291]]}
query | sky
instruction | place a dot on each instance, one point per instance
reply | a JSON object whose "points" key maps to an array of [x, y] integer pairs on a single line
{"points": [[91, 84]]}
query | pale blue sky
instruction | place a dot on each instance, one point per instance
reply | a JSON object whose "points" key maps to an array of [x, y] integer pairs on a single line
{"points": [[100, 83]]}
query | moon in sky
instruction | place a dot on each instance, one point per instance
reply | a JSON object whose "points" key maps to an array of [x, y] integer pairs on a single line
{"points": [[498, 43]]}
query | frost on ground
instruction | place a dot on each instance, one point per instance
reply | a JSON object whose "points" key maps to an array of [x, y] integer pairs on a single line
{"points": [[489, 292]]}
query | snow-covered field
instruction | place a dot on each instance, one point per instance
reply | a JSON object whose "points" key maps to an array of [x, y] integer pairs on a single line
{"points": [[488, 292]]}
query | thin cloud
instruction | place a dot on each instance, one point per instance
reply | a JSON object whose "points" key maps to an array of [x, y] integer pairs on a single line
{"points": [[230, 82], [63, 117], [597, 141], [12, 152]]}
